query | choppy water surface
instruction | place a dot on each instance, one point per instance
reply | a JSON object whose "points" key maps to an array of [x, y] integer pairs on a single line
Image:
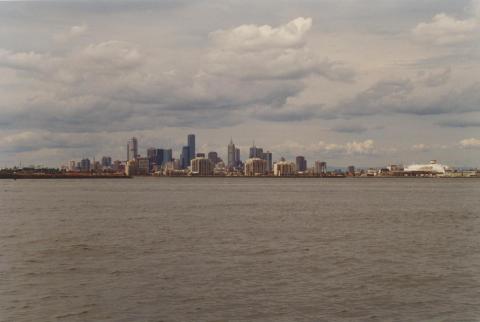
{"points": [[220, 249]]}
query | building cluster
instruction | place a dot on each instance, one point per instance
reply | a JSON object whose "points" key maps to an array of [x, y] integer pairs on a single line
{"points": [[161, 162]]}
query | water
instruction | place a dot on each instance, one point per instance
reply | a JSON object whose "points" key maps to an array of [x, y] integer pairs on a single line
{"points": [[239, 249]]}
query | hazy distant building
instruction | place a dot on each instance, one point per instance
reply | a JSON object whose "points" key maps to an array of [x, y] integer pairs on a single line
{"points": [[152, 157], [301, 164], [284, 169], [117, 165], [72, 165], [185, 157], [238, 160], [255, 167], [85, 165], [132, 149], [200, 155], [267, 156], [106, 162], [167, 156], [351, 170], [202, 166], [231, 155], [213, 156], [191, 147], [320, 168], [142, 166], [130, 168], [255, 152]]}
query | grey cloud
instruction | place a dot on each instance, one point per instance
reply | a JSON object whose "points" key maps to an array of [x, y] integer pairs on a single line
{"points": [[350, 128], [459, 123]]}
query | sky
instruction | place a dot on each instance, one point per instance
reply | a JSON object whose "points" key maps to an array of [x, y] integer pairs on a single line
{"points": [[368, 83]]}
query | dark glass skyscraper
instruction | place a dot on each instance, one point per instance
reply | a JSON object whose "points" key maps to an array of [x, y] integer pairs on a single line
{"points": [[185, 157], [191, 147]]}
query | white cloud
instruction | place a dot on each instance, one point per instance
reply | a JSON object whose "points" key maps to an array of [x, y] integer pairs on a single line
{"points": [[445, 30], [252, 52], [259, 38], [470, 143]]}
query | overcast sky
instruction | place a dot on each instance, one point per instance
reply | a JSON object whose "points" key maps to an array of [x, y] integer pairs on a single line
{"points": [[350, 82]]}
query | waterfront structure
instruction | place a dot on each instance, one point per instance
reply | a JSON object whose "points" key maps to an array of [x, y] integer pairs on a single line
{"points": [[185, 157], [432, 168], [320, 168], [106, 162], [300, 164], [231, 155], [130, 168], [142, 166], [284, 169], [191, 147], [132, 149], [202, 166], [255, 167], [351, 171], [267, 156]]}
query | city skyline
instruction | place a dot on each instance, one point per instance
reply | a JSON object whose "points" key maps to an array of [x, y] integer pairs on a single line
{"points": [[364, 83]]}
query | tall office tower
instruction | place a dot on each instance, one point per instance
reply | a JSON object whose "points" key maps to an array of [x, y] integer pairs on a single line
{"points": [[152, 156], [301, 164], [213, 156], [238, 161], [167, 155], [320, 168], [159, 157], [191, 146], [132, 149], [106, 162], [185, 157], [267, 156], [232, 162], [255, 152]]}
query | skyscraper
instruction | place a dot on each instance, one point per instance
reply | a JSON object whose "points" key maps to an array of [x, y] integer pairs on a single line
{"points": [[191, 147], [320, 168], [132, 149], [185, 157], [231, 155], [256, 152], [167, 155], [237, 157], [301, 164], [267, 156]]}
